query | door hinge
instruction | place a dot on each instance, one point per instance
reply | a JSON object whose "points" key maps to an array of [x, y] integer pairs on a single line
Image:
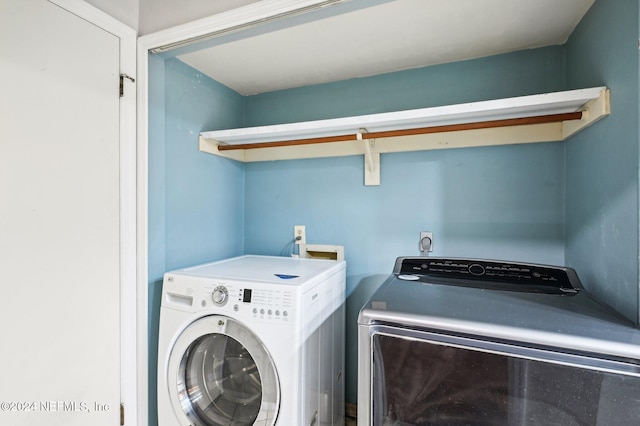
{"points": [[122, 77], [121, 414]]}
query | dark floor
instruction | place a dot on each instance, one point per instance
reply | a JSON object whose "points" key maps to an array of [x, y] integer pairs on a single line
{"points": [[350, 414]]}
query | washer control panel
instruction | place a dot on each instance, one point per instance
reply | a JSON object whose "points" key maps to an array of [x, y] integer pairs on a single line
{"points": [[274, 304], [488, 274]]}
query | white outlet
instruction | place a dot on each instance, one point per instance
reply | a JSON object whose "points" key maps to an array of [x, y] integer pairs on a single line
{"points": [[426, 242], [299, 234]]}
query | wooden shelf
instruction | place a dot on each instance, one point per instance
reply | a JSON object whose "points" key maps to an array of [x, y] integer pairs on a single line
{"points": [[526, 119]]}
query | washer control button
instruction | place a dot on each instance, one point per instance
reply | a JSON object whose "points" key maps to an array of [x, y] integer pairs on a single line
{"points": [[220, 295], [408, 277], [476, 269]]}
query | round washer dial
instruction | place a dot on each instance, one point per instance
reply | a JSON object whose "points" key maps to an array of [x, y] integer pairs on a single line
{"points": [[220, 295]]}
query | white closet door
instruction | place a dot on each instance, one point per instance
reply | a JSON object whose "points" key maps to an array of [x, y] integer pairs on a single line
{"points": [[59, 218]]}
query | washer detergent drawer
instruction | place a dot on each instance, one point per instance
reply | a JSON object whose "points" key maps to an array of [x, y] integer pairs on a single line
{"points": [[425, 378]]}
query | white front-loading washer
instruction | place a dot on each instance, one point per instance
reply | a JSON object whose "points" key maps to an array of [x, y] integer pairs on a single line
{"points": [[252, 340]]}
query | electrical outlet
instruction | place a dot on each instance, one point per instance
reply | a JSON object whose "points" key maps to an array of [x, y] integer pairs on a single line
{"points": [[299, 234], [426, 242]]}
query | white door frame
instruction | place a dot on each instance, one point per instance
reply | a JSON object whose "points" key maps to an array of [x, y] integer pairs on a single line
{"points": [[242, 17], [130, 377]]}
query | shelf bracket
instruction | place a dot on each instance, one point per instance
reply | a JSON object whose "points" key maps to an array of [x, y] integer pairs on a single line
{"points": [[592, 111], [371, 160], [211, 146]]}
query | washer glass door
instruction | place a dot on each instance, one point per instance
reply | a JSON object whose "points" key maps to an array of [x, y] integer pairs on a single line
{"points": [[223, 375]]}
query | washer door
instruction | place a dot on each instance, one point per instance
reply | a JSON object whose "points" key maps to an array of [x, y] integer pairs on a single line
{"points": [[221, 374]]}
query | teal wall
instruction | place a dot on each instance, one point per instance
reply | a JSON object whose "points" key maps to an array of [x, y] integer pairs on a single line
{"points": [[515, 74], [196, 201], [602, 162]]}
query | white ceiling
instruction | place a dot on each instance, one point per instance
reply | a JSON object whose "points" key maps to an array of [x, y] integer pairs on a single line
{"points": [[392, 36]]}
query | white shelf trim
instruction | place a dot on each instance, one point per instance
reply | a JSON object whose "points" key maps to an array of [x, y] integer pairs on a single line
{"points": [[593, 102]]}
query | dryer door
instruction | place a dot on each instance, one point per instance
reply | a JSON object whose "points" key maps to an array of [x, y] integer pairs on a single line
{"points": [[220, 373]]}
